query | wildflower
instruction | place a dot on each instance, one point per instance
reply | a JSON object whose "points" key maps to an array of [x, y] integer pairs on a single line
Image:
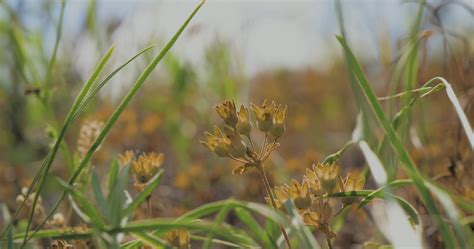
{"points": [[300, 194], [178, 238], [227, 112], [264, 115], [243, 125], [127, 157], [145, 168], [327, 175], [237, 147], [313, 181], [87, 134], [278, 127], [217, 142], [352, 183], [281, 194]]}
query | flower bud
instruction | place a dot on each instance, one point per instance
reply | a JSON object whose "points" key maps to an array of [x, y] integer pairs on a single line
{"points": [[327, 175], [243, 125], [278, 127], [227, 112]]}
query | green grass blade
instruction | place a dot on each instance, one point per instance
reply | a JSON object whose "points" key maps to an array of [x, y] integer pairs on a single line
{"points": [[118, 111], [6, 219], [260, 234], [217, 222], [464, 234], [92, 216], [41, 174], [305, 236], [113, 173], [151, 240], [150, 186], [96, 188], [52, 61], [397, 145]]}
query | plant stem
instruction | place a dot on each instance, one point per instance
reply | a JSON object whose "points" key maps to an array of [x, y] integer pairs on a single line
{"points": [[268, 188], [329, 243], [148, 206]]}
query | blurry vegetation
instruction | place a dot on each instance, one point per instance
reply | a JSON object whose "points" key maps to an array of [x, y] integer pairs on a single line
{"points": [[83, 170]]}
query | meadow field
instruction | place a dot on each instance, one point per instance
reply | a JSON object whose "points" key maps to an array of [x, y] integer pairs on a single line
{"points": [[240, 124]]}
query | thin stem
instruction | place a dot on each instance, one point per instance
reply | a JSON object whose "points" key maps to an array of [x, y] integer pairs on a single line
{"points": [[148, 206], [328, 240], [263, 145], [251, 142], [268, 188]]}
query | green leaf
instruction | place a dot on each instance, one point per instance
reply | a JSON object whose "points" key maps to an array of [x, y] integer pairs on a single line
{"points": [[304, 234], [92, 216], [260, 234], [113, 173], [142, 196], [395, 141], [99, 197], [118, 111], [116, 198]]}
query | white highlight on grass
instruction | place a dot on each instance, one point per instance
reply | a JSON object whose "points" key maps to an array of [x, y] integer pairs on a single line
{"points": [[457, 106], [389, 216], [378, 171]]}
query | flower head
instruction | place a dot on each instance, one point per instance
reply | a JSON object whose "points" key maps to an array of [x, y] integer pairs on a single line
{"points": [[178, 238], [227, 112], [145, 168], [264, 115], [300, 194], [217, 142], [243, 125], [327, 175], [278, 127]]}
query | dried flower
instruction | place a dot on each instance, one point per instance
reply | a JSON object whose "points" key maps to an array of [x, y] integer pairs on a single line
{"points": [[243, 125], [300, 194], [217, 142], [127, 157], [327, 175], [352, 183], [145, 168], [278, 127], [237, 147], [87, 134], [264, 115], [178, 238], [227, 112]]}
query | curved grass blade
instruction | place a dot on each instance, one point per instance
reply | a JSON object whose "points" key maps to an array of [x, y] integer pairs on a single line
{"points": [[41, 174], [96, 188], [306, 238], [246, 218], [397, 145], [464, 234], [52, 61], [91, 214], [151, 185], [151, 240], [118, 111]]}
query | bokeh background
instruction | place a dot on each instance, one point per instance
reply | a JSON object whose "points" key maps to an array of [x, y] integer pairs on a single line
{"points": [[243, 50]]}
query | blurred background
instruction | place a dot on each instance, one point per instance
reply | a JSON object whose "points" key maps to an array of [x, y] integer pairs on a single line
{"points": [[243, 50]]}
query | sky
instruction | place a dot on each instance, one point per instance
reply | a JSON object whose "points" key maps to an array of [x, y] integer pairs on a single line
{"points": [[262, 34]]}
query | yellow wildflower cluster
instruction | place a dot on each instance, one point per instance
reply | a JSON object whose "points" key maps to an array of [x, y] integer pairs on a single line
{"points": [[229, 141], [311, 195], [178, 238], [145, 167]]}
